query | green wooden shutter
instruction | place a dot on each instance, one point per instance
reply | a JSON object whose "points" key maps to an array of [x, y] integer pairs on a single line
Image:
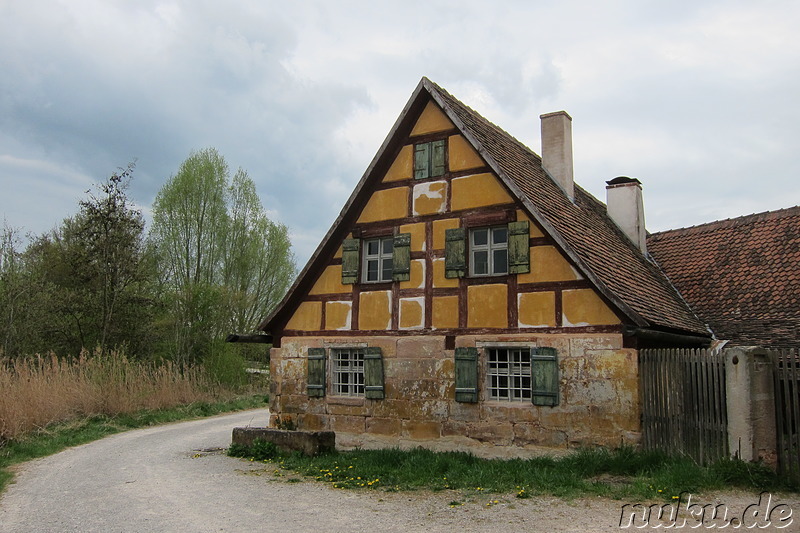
{"points": [[401, 257], [519, 251], [316, 372], [350, 261], [437, 158], [373, 373], [455, 253], [544, 376], [422, 160], [467, 375]]}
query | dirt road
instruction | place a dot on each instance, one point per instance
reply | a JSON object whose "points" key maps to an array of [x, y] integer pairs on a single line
{"points": [[176, 478]]}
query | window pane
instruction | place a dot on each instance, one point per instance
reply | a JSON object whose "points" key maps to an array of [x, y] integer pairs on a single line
{"points": [[387, 270], [372, 270], [480, 237], [480, 262], [500, 258], [387, 246], [372, 247], [499, 235]]}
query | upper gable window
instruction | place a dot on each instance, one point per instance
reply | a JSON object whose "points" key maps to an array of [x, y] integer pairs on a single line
{"points": [[378, 263], [429, 159], [488, 251]]}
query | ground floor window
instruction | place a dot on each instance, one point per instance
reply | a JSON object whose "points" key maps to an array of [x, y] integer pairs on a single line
{"points": [[509, 374], [348, 371]]}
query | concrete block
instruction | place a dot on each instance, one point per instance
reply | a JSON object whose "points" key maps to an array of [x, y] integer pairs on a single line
{"points": [[307, 442]]}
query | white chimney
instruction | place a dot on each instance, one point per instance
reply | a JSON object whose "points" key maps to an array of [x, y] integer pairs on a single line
{"points": [[557, 149], [626, 208]]}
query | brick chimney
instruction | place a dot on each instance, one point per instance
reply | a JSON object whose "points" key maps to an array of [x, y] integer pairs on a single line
{"points": [[557, 149], [626, 208]]}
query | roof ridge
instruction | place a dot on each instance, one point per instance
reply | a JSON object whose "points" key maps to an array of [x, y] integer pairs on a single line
{"points": [[729, 222]]}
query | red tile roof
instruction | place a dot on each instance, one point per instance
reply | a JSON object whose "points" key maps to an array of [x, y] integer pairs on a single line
{"points": [[741, 275], [586, 232]]}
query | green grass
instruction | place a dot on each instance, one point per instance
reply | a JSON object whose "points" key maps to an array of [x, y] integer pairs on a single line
{"points": [[57, 437], [623, 473]]}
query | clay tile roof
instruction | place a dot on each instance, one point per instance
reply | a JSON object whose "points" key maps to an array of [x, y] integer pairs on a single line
{"points": [[740, 275], [586, 232]]}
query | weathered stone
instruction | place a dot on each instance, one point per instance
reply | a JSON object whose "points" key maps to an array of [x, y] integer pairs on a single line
{"points": [[350, 410], [348, 424], [452, 428], [420, 347], [512, 412], [384, 426], [307, 442], [499, 433], [421, 430], [469, 412], [525, 433], [422, 389], [312, 422]]}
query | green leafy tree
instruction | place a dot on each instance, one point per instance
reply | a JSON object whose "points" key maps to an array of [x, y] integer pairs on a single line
{"points": [[88, 284], [223, 263]]}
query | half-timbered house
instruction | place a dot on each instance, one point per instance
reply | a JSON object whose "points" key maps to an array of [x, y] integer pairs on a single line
{"points": [[470, 289]]}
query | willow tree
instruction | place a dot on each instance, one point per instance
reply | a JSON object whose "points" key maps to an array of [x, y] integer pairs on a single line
{"points": [[224, 264]]}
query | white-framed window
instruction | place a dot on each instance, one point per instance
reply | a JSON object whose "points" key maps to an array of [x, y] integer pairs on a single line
{"points": [[488, 251], [509, 374], [348, 371], [377, 262]]}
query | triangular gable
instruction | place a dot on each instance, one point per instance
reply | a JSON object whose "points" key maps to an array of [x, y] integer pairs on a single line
{"points": [[521, 177]]}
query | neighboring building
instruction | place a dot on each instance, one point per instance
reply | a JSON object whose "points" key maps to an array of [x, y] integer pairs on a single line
{"points": [[470, 289], [741, 276]]}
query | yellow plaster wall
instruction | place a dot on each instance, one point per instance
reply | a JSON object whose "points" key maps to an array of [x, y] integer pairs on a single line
{"points": [[375, 310], [487, 306], [533, 227], [439, 227], [444, 312], [417, 232], [462, 155], [338, 315], [412, 313], [308, 317], [583, 307], [402, 166], [387, 204], [477, 191], [439, 281], [431, 120], [330, 282], [537, 309], [547, 264], [338, 253], [430, 198], [416, 277]]}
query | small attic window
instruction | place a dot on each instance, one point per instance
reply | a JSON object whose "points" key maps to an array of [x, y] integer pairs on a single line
{"points": [[429, 159]]}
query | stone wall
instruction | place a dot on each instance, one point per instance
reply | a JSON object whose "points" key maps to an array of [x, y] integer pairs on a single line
{"points": [[599, 403]]}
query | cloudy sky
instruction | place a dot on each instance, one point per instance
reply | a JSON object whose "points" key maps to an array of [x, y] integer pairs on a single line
{"points": [[698, 99]]}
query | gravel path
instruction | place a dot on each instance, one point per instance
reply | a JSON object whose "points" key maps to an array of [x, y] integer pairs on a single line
{"points": [[177, 478]]}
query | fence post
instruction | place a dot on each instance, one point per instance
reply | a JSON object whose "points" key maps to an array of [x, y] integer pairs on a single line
{"points": [[750, 404]]}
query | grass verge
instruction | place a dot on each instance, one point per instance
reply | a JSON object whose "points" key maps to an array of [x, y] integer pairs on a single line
{"points": [[618, 474], [57, 437]]}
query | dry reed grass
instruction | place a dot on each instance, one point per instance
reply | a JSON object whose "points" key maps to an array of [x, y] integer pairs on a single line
{"points": [[41, 390]]}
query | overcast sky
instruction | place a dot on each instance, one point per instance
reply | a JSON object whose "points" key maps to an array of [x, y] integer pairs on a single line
{"points": [[698, 99]]}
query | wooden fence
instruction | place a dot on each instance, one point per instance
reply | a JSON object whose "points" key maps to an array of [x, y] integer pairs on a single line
{"points": [[786, 375], [684, 406]]}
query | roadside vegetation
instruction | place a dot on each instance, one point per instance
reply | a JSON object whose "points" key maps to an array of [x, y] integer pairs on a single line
{"points": [[620, 474], [80, 430], [107, 326]]}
